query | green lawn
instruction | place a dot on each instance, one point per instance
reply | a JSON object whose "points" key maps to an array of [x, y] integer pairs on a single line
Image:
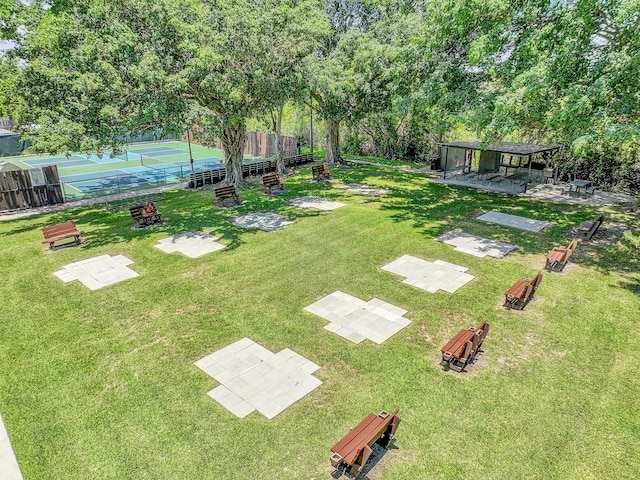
{"points": [[101, 384]]}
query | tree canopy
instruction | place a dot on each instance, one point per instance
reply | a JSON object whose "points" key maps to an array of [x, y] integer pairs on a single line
{"points": [[399, 75]]}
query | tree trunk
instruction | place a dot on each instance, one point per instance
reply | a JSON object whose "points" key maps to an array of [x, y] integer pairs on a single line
{"points": [[233, 140], [333, 141], [277, 124]]}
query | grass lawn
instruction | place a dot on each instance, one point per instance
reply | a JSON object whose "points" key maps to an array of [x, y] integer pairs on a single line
{"points": [[101, 384]]}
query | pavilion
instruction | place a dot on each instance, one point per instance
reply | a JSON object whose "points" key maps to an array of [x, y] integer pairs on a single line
{"points": [[458, 156]]}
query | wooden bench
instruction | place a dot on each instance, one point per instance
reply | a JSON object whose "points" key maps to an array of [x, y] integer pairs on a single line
{"points": [[463, 348], [558, 257], [62, 231], [224, 194], [353, 451], [272, 181], [587, 229], [521, 292], [145, 215], [320, 172]]}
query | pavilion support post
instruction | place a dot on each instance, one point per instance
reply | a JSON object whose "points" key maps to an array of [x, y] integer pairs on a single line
{"points": [[446, 155], [526, 184]]}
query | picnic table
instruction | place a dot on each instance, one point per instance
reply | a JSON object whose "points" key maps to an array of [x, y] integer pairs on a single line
{"points": [[353, 451], [558, 257], [463, 348]]}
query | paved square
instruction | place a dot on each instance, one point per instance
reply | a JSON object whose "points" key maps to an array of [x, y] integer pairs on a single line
{"points": [[98, 272], [264, 221], [513, 221], [9, 469], [429, 276], [365, 189], [476, 246], [355, 319], [315, 202], [191, 244], [253, 378]]}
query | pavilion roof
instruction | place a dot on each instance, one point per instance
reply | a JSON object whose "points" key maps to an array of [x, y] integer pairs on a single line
{"points": [[503, 147]]}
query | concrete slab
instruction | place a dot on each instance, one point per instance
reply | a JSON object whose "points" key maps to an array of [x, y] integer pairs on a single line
{"points": [[365, 189], [476, 246], [253, 378], [191, 244], [268, 221], [429, 276], [98, 272], [315, 202], [514, 221], [9, 468], [357, 320]]}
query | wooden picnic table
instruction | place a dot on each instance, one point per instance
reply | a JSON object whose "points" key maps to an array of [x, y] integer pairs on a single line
{"points": [[353, 451]]}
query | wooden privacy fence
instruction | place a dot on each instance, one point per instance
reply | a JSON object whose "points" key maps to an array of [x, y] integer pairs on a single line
{"points": [[264, 145], [30, 188]]}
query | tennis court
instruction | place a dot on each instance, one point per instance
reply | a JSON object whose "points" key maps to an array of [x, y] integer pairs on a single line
{"points": [[89, 182], [86, 160]]}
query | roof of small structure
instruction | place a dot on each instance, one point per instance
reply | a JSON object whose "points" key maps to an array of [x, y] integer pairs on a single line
{"points": [[503, 147], [6, 166], [6, 132]]}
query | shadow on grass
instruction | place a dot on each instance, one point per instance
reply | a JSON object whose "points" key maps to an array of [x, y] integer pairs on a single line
{"points": [[184, 210], [630, 283], [378, 454]]}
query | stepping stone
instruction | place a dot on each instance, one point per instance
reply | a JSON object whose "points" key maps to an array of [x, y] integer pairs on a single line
{"points": [[253, 378], [365, 189], [9, 468], [514, 221], [476, 246], [264, 221], [429, 276], [316, 202], [356, 320], [191, 244], [98, 272]]}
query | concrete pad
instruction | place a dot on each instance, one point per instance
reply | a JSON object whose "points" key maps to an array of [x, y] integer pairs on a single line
{"points": [[476, 246], [429, 276], [253, 378], [268, 222], [358, 319], [9, 468], [98, 272], [191, 244], [365, 189], [514, 221], [315, 202]]}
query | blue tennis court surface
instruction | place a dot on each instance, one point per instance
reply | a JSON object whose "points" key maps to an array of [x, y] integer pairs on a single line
{"points": [[88, 182]]}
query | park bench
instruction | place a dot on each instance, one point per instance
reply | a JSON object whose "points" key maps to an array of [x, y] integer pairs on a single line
{"points": [[521, 292], [62, 231], [463, 348], [224, 194], [145, 215], [587, 229], [353, 451], [320, 172], [558, 257], [272, 181]]}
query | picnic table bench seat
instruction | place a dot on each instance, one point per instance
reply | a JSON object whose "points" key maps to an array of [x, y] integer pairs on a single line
{"points": [[272, 181], [145, 215], [463, 348], [320, 172], [62, 231], [558, 257], [227, 196], [353, 451], [588, 229], [521, 292]]}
